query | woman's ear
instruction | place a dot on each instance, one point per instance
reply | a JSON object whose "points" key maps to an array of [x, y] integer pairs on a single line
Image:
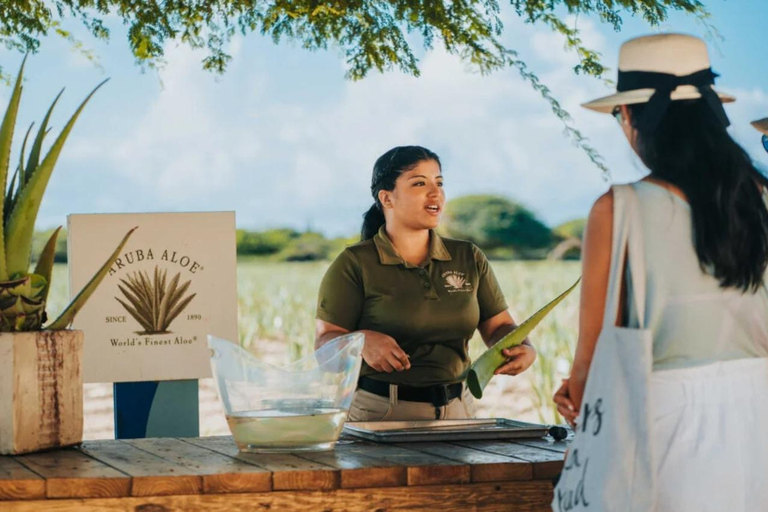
{"points": [[385, 198]]}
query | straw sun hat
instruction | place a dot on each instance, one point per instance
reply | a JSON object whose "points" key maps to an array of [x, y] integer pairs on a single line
{"points": [[661, 68]]}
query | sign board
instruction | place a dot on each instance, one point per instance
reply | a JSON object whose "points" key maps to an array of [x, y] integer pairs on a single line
{"points": [[174, 283]]}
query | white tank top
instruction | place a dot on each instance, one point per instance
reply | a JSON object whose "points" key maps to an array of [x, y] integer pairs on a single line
{"points": [[693, 320]]}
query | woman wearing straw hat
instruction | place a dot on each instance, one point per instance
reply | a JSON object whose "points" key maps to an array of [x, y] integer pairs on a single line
{"points": [[704, 233]]}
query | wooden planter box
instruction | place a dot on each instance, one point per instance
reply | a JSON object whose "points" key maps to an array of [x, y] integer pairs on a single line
{"points": [[41, 390]]}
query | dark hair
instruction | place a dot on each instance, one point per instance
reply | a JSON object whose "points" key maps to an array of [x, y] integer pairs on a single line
{"points": [[386, 170], [691, 149]]}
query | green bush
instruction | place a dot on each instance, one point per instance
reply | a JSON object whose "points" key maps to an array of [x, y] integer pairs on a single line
{"points": [[263, 243], [571, 229], [497, 225]]}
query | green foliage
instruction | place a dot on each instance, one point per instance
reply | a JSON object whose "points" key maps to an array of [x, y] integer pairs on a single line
{"points": [[370, 34], [309, 246], [23, 294], [265, 242], [571, 229], [496, 223]]}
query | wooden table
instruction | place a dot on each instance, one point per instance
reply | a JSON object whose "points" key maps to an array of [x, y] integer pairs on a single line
{"points": [[154, 475]]}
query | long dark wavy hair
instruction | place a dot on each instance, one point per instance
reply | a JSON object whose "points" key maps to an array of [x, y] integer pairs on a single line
{"points": [[386, 170], [691, 149]]}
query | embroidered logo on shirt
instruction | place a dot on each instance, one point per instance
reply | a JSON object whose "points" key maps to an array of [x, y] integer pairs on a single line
{"points": [[456, 282]]}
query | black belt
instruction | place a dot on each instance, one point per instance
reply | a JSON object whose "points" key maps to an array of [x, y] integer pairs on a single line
{"points": [[438, 395]]}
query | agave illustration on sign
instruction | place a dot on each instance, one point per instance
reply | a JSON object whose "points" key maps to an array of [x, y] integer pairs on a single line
{"points": [[154, 303]]}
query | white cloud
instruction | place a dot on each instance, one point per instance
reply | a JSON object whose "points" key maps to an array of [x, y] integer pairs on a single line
{"points": [[201, 143]]}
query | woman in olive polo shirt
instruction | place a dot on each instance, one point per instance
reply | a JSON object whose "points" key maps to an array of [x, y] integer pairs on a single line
{"points": [[416, 296]]}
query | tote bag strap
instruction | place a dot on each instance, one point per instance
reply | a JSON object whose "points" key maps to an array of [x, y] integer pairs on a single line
{"points": [[627, 241]]}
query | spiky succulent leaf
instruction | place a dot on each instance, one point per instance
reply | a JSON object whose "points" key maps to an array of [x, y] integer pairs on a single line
{"points": [[22, 306], [21, 223], [44, 265], [37, 146], [68, 315], [6, 139], [21, 168], [9, 198], [482, 369]]}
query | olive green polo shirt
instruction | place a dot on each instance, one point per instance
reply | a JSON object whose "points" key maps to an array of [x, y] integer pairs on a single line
{"points": [[431, 311]]}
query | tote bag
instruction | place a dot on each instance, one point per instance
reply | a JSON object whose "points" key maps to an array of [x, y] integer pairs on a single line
{"points": [[608, 467]]}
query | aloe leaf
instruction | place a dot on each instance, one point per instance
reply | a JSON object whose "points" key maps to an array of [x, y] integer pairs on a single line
{"points": [[66, 318], [6, 138], [482, 369], [21, 168], [10, 199], [34, 155], [21, 223], [44, 265]]}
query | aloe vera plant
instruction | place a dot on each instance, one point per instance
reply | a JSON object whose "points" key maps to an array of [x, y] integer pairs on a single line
{"points": [[482, 369], [23, 294], [153, 303]]}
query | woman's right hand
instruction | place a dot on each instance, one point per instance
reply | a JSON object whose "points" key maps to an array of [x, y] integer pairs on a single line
{"points": [[382, 353]]}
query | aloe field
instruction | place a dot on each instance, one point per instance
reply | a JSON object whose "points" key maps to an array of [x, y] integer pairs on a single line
{"points": [[276, 303]]}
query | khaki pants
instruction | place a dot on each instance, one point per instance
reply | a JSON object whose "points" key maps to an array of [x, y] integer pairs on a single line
{"points": [[371, 407]]}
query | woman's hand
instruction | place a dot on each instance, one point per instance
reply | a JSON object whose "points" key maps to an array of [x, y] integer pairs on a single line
{"points": [[382, 353], [565, 405], [519, 359]]}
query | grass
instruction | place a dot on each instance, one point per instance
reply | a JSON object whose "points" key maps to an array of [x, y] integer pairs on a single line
{"points": [[276, 303]]}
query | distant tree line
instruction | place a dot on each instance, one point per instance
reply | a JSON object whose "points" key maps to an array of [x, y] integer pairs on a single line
{"points": [[501, 227]]}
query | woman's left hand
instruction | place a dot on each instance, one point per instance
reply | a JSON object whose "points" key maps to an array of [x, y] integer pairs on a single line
{"points": [[519, 359]]}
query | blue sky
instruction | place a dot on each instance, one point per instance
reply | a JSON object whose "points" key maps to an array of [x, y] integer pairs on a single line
{"points": [[284, 140]]}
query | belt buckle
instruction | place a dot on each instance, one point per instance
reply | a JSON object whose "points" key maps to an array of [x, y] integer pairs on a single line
{"points": [[441, 396]]}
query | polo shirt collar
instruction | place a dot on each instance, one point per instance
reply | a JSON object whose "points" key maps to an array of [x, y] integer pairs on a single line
{"points": [[388, 255]]}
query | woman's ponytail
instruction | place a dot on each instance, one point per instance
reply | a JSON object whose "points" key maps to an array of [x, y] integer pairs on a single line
{"points": [[373, 219]]}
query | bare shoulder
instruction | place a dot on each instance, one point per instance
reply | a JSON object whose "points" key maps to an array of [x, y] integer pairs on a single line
{"points": [[603, 206], [601, 215]]}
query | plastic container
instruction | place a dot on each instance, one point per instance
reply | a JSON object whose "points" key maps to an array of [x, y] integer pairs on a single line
{"points": [[300, 407]]}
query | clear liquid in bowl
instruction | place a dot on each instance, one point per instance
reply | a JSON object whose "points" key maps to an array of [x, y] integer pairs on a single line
{"points": [[282, 429]]}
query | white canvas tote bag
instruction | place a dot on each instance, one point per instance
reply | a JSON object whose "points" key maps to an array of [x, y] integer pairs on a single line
{"points": [[608, 467]]}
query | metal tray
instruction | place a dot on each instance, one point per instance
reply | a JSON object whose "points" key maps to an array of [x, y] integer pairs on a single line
{"points": [[444, 430]]}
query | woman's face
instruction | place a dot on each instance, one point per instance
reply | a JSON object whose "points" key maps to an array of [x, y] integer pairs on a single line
{"points": [[418, 198]]}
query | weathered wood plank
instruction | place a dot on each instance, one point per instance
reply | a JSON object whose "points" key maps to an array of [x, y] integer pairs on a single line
{"points": [[359, 470], [289, 472], [72, 474], [496, 497], [150, 474], [18, 482], [422, 468], [220, 473], [546, 463], [545, 443], [484, 466]]}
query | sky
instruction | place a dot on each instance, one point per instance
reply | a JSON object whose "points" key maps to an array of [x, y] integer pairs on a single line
{"points": [[285, 141]]}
